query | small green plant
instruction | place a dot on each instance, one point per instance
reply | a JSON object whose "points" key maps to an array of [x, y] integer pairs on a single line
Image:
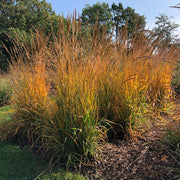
{"points": [[174, 137], [5, 92], [176, 78], [62, 175], [5, 113]]}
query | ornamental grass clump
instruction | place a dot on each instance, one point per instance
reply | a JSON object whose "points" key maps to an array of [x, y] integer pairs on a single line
{"points": [[54, 97], [76, 90], [30, 94]]}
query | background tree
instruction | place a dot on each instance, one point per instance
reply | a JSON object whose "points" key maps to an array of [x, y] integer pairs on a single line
{"points": [[133, 20], [23, 14], [117, 13], [127, 17], [99, 12], [19, 17], [164, 29]]}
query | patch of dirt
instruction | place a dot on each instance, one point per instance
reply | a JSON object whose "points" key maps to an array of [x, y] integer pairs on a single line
{"points": [[144, 159]]}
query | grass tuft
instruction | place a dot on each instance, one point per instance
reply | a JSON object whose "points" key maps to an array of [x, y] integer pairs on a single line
{"points": [[77, 90]]}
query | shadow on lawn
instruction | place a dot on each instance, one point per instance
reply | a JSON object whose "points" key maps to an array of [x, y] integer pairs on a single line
{"points": [[19, 164], [16, 163]]}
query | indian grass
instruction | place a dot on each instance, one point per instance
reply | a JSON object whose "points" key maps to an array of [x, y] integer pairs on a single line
{"points": [[71, 93]]}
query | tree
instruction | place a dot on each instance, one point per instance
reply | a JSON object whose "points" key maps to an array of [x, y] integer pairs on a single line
{"points": [[127, 17], [164, 29], [20, 17], [99, 12], [133, 20], [23, 14], [117, 13]]}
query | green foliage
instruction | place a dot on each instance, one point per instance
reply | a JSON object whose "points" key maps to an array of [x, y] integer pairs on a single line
{"points": [[3, 60], [18, 163], [171, 138], [174, 137], [164, 29], [116, 15], [176, 78], [3, 96], [23, 14], [5, 92], [99, 12], [5, 113], [134, 21], [62, 175], [126, 17], [18, 18]]}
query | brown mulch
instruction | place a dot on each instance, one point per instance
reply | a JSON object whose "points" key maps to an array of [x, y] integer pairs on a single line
{"points": [[146, 158], [134, 160]]}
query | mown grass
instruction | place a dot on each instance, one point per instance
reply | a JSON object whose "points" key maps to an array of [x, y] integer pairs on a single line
{"points": [[5, 113], [75, 91], [5, 90], [17, 163]]}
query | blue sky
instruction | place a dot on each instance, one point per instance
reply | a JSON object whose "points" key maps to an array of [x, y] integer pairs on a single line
{"points": [[149, 8]]}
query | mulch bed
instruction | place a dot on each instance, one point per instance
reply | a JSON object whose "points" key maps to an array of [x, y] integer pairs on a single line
{"points": [[146, 158], [135, 160]]}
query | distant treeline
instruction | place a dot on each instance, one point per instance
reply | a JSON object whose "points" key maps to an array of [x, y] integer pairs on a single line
{"points": [[18, 18]]}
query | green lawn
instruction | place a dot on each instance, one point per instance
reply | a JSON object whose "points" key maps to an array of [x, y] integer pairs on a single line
{"points": [[5, 113], [19, 164]]}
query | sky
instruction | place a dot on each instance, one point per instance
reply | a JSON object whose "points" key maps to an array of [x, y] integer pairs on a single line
{"points": [[149, 8]]}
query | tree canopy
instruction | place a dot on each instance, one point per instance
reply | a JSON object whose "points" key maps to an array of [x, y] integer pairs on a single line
{"points": [[19, 17], [164, 28], [23, 14], [100, 12], [117, 16], [126, 17]]}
